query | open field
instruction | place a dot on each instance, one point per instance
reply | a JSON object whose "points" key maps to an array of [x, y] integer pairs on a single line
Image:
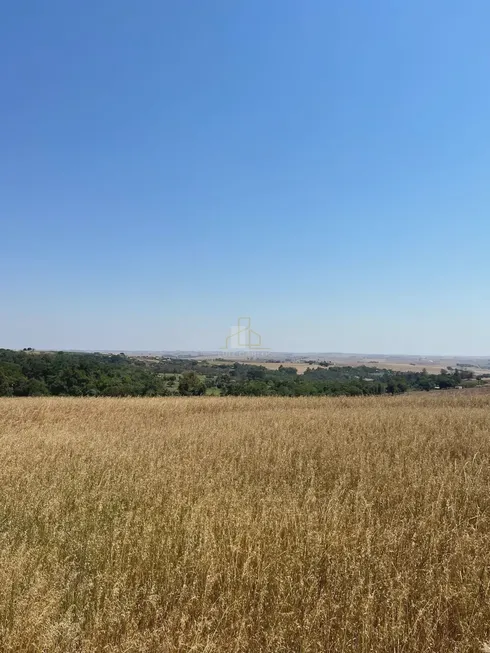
{"points": [[245, 525], [300, 367], [397, 364], [401, 365], [382, 365]]}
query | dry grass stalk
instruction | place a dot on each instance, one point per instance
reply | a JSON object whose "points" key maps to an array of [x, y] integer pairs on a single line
{"points": [[245, 525]]}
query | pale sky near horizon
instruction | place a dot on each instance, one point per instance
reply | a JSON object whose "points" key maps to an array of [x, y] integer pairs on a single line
{"points": [[322, 167]]}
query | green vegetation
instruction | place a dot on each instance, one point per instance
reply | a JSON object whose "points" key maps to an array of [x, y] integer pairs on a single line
{"points": [[72, 374], [27, 373], [333, 381], [191, 384]]}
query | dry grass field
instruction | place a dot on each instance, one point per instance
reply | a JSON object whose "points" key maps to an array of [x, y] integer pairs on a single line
{"points": [[395, 366], [245, 525], [300, 367]]}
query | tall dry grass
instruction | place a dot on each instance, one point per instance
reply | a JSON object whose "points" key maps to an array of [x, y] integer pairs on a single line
{"points": [[234, 524]]}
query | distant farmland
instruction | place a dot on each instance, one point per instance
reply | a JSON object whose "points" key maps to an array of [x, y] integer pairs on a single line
{"points": [[395, 364], [301, 367]]}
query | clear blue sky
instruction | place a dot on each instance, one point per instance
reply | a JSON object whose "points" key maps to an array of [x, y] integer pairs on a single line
{"points": [[323, 167]]}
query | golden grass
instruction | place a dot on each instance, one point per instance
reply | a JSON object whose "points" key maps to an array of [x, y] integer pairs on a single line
{"points": [[300, 367], [245, 525]]}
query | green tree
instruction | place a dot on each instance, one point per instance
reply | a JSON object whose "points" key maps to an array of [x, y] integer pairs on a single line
{"points": [[6, 389], [256, 373], [190, 384]]}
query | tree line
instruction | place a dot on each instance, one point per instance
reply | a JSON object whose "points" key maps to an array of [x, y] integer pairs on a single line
{"points": [[29, 373], [72, 374]]}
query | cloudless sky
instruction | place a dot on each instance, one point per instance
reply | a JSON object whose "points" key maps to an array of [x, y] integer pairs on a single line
{"points": [[320, 166]]}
